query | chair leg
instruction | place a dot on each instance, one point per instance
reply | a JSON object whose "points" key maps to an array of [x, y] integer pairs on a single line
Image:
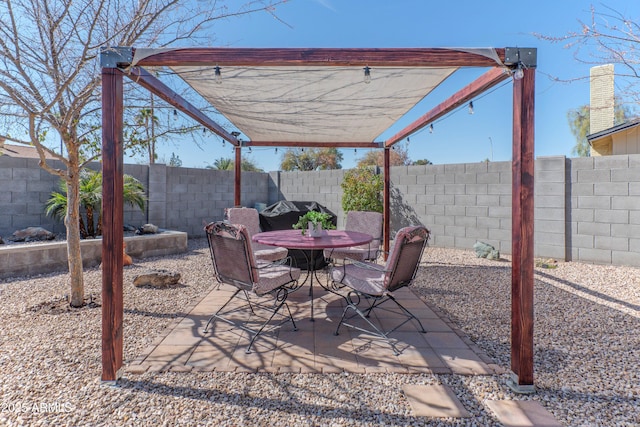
{"points": [[280, 301], [408, 313], [378, 332], [266, 322], [214, 316]]}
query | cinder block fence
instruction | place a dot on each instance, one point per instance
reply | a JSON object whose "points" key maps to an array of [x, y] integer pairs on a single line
{"points": [[586, 209]]}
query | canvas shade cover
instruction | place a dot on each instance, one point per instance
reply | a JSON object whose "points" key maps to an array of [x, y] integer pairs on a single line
{"points": [[313, 104]]}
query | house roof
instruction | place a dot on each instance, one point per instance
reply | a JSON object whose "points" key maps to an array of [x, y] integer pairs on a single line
{"points": [[25, 151], [618, 128]]}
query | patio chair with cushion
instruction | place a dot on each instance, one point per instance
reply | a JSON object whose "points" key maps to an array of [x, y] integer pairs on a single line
{"points": [[250, 218], [235, 265], [376, 283], [363, 222]]}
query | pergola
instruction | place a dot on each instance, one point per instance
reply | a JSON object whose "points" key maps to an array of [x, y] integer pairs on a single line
{"points": [[319, 97]]}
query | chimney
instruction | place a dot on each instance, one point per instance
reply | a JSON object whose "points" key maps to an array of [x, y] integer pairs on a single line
{"points": [[602, 100]]}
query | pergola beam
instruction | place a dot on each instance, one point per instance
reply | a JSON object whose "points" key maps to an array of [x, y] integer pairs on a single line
{"points": [[164, 92], [480, 85], [388, 57]]}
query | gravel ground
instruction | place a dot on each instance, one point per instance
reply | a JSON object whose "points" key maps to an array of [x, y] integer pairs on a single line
{"points": [[587, 352]]}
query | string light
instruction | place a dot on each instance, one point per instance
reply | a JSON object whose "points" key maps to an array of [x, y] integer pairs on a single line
{"points": [[204, 131], [519, 74], [175, 114], [217, 75], [431, 128], [276, 150], [471, 107], [367, 74]]}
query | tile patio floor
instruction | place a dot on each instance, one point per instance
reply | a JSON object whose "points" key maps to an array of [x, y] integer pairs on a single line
{"points": [[314, 348]]}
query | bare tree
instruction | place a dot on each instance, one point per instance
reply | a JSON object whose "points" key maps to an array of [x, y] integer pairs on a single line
{"points": [[50, 76], [608, 37]]}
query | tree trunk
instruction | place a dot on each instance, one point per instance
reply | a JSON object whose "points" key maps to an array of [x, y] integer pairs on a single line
{"points": [[90, 229], [74, 254], [83, 230]]}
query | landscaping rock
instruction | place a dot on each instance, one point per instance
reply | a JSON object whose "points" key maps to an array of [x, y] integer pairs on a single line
{"points": [[31, 234], [157, 279], [147, 229], [485, 250]]}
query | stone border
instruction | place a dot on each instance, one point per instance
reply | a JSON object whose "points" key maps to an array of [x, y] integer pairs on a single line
{"points": [[38, 258]]}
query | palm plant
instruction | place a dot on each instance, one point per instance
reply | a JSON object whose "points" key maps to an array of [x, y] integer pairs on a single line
{"points": [[91, 200]]}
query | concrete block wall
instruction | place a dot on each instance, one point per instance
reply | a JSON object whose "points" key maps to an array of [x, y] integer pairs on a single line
{"points": [[24, 191], [459, 203], [586, 209], [316, 186], [26, 187], [195, 197], [550, 227], [604, 214]]}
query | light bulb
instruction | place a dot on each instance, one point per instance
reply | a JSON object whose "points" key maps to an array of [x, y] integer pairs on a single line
{"points": [[431, 128], [471, 108], [217, 75], [518, 74]]}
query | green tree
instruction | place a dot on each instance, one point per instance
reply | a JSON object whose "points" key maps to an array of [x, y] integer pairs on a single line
{"points": [[175, 160], [579, 120], [91, 200], [362, 190], [398, 156], [222, 164], [311, 159], [422, 162], [50, 77], [227, 164], [142, 134], [579, 124]]}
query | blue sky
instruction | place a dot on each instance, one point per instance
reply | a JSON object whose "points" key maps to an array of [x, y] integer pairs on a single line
{"points": [[460, 137]]}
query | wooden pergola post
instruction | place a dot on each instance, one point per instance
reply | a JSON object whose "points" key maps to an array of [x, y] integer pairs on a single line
{"points": [[237, 189], [522, 233], [112, 223], [386, 204]]}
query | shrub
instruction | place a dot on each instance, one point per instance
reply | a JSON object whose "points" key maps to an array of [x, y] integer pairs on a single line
{"points": [[362, 190]]}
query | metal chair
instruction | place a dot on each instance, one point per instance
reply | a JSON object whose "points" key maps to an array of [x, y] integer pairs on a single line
{"points": [[363, 222], [376, 283], [234, 264], [250, 218]]}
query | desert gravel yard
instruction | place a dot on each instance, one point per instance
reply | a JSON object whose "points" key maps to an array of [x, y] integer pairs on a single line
{"points": [[587, 352]]}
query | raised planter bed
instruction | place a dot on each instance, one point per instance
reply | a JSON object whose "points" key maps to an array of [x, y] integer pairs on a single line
{"points": [[38, 258]]}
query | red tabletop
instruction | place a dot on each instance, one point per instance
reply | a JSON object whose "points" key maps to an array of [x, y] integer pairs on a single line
{"points": [[293, 239]]}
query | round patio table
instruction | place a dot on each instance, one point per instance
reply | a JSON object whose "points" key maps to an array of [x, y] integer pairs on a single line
{"points": [[294, 239]]}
